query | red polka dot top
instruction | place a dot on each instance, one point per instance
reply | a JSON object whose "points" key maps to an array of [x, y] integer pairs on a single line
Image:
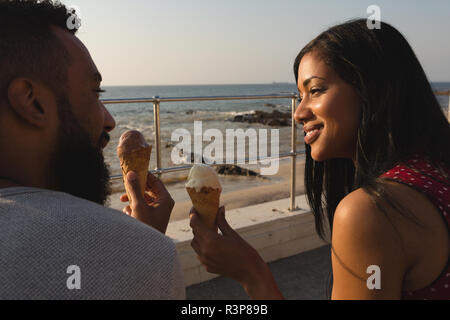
{"points": [[419, 173]]}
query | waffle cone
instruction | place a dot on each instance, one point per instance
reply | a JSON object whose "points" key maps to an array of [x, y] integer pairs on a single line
{"points": [[137, 161], [206, 203]]}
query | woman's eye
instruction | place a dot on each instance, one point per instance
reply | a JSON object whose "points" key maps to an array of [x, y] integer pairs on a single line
{"points": [[313, 91]]}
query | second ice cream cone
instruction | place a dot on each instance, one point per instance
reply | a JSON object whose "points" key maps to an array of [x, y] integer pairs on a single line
{"points": [[206, 202], [137, 161]]}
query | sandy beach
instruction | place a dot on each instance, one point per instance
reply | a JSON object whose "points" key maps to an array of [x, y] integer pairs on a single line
{"points": [[238, 191]]}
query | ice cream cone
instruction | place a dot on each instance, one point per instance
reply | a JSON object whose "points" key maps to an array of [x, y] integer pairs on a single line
{"points": [[138, 161], [206, 202]]}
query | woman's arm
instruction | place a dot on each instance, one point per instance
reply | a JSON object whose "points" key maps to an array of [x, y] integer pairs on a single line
{"points": [[231, 256]]}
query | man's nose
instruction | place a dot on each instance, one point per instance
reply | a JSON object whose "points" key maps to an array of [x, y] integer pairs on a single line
{"points": [[110, 123]]}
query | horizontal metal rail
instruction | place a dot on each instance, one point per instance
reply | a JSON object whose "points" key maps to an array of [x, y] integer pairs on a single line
{"points": [[212, 98], [189, 166]]}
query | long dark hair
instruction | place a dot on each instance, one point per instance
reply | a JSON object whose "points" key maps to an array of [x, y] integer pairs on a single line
{"points": [[400, 115]]}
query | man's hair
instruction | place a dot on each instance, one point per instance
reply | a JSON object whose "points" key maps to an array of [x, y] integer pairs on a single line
{"points": [[29, 48]]}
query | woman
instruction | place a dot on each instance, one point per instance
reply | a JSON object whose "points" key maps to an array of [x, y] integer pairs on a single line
{"points": [[377, 169]]}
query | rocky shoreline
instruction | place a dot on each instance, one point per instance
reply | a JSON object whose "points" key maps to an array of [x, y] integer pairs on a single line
{"points": [[230, 169], [274, 118]]}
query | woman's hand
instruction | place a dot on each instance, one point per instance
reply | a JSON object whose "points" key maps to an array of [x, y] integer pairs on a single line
{"points": [[154, 208], [231, 256]]}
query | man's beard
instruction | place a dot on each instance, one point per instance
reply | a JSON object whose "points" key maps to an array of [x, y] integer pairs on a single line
{"points": [[79, 165]]}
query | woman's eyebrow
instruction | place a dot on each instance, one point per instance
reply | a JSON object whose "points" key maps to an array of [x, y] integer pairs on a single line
{"points": [[305, 83]]}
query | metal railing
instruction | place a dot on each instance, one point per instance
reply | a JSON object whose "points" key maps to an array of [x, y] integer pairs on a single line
{"points": [[156, 101], [445, 93]]}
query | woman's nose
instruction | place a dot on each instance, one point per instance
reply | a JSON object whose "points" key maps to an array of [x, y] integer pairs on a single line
{"points": [[303, 113]]}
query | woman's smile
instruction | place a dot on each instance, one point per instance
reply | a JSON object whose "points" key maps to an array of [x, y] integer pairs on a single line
{"points": [[312, 135]]}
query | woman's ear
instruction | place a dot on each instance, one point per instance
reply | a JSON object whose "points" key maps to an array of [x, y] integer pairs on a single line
{"points": [[28, 102]]}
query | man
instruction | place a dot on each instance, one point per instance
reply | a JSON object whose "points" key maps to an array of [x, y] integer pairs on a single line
{"points": [[57, 240]]}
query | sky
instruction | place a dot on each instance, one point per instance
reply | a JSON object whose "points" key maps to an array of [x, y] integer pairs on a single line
{"points": [[186, 42]]}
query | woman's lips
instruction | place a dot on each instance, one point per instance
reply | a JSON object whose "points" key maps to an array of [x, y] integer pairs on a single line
{"points": [[312, 135]]}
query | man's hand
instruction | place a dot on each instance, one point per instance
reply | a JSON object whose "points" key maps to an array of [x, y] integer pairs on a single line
{"points": [[154, 208]]}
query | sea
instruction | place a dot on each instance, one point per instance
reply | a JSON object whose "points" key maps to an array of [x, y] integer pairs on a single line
{"points": [[181, 115], [212, 114]]}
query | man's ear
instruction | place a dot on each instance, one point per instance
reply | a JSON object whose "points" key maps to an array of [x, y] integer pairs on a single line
{"points": [[29, 101]]}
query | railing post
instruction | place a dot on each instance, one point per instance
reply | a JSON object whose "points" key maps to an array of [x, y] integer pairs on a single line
{"points": [[448, 111], [294, 155], [157, 132]]}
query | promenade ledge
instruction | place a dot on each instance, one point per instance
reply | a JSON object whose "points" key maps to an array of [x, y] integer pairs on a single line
{"points": [[271, 228]]}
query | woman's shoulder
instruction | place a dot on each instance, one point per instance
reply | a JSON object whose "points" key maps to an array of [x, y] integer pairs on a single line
{"points": [[359, 221], [359, 212], [359, 217], [362, 237], [419, 245]]}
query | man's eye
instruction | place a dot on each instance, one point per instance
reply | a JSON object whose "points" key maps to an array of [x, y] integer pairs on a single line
{"points": [[100, 91]]}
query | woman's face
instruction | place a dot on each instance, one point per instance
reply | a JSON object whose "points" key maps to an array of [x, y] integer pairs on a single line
{"points": [[330, 105]]}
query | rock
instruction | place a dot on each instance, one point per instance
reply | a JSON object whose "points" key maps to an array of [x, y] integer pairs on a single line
{"points": [[275, 118], [277, 122], [238, 118], [231, 169], [189, 111]]}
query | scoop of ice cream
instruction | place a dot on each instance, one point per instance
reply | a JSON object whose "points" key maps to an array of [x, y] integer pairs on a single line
{"points": [[202, 175], [131, 140]]}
